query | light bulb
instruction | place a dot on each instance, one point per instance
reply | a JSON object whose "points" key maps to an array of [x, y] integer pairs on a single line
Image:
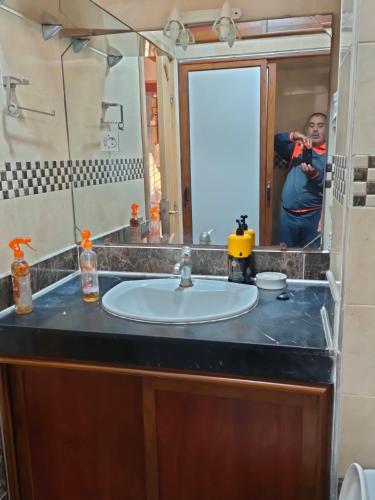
{"points": [[183, 39], [224, 28], [174, 30]]}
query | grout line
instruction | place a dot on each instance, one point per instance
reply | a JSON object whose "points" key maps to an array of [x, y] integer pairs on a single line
{"points": [[303, 265]]}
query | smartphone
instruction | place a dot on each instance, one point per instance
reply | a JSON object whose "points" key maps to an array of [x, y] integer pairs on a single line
{"points": [[307, 156]]}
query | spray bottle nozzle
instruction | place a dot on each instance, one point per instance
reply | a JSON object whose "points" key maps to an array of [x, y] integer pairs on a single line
{"points": [[86, 239], [154, 213], [134, 209], [15, 246]]}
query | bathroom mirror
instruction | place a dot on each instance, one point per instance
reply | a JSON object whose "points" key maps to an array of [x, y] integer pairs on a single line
{"points": [[192, 131]]}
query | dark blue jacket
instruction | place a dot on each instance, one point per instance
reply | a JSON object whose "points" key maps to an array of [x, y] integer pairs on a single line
{"points": [[299, 191]]}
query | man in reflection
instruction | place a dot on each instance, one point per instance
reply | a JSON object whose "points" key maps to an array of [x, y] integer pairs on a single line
{"points": [[302, 195]]}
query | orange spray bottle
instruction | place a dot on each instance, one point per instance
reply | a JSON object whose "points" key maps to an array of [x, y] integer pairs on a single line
{"points": [[135, 228], [154, 226], [89, 269], [21, 283]]}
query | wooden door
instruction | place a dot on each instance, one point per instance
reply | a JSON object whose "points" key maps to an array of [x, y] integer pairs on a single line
{"points": [[267, 110], [78, 434], [237, 440]]}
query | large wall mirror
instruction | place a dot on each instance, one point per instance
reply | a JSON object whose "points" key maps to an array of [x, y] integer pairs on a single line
{"points": [[198, 134]]}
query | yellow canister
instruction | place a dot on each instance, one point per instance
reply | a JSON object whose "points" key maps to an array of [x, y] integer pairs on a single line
{"points": [[239, 245]]}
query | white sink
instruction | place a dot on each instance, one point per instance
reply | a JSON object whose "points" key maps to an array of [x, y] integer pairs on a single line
{"points": [[163, 301]]}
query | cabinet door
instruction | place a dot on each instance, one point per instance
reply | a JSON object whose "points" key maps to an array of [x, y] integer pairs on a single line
{"points": [[236, 440], [79, 434]]}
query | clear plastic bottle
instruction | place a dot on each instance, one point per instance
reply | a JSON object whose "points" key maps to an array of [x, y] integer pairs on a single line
{"points": [[89, 269], [154, 226], [21, 283], [135, 227]]}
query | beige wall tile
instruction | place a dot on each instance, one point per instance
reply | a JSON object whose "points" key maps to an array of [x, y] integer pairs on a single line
{"points": [[89, 82], [337, 240], [364, 113], [358, 348], [366, 30], [46, 218], [357, 433], [346, 28], [24, 54], [106, 207], [343, 105], [360, 258]]}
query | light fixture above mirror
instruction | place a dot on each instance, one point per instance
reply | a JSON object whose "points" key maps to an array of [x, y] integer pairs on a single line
{"points": [[177, 31], [223, 20], [225, 27]]}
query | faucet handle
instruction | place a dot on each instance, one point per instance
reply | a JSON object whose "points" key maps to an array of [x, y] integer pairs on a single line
{"points": [[186, 251]]}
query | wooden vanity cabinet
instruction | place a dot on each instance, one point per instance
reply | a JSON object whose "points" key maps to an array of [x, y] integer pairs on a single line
{"points": [[81, 432]]}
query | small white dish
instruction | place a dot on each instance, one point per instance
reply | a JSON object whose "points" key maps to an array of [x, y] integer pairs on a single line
{"points": [[271, 281]]}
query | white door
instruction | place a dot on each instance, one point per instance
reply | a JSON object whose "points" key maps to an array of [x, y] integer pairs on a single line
{"points": [[224, 121]]}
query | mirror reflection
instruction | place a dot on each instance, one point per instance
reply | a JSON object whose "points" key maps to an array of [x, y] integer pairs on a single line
{"points": [[171, 141]]}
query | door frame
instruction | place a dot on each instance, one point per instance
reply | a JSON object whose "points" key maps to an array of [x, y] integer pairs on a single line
{"points": [[267, 120]]}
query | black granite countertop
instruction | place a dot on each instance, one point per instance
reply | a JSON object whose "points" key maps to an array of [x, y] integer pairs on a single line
{"points": [[277, 339]]}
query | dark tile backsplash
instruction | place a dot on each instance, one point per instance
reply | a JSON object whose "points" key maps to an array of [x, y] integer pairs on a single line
{"points": [[5, 293], [290, 263], [315, 265], [210, 261]]}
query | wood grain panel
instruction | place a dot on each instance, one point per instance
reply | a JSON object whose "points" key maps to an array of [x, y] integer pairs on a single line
{"points": [[78, 436], [245, 444]]}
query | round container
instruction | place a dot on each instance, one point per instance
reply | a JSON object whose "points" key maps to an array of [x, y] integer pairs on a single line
{"points": [[271, 281]]}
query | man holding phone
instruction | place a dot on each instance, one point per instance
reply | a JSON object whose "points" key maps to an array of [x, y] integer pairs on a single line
{"points": [[302, 195]]}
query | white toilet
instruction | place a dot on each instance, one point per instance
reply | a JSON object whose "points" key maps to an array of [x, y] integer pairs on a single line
{"points": [[359, 484]]}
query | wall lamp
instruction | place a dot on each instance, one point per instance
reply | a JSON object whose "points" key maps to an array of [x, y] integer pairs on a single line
{"points": [[225, 27], [177, 31]]}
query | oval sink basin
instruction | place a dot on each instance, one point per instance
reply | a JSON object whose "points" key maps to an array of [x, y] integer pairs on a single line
{"points": [[163, 301]]}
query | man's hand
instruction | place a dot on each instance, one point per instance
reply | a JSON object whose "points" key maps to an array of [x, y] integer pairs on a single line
{"points": [[309, 170], [298, 136]]}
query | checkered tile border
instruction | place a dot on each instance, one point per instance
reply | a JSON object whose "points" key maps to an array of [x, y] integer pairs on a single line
{"points": [[339, 178], [26, 178], [95, 172], [363, 187]]}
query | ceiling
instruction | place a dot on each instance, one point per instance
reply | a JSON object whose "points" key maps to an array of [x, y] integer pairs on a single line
{"points": [[148, 15]]}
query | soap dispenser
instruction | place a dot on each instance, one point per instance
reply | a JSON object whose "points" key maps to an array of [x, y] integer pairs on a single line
{"points": [[248, 231], [239, 250]]}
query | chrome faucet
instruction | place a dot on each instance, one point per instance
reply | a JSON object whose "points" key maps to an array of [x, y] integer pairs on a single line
{"points": [[183, 268]]}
